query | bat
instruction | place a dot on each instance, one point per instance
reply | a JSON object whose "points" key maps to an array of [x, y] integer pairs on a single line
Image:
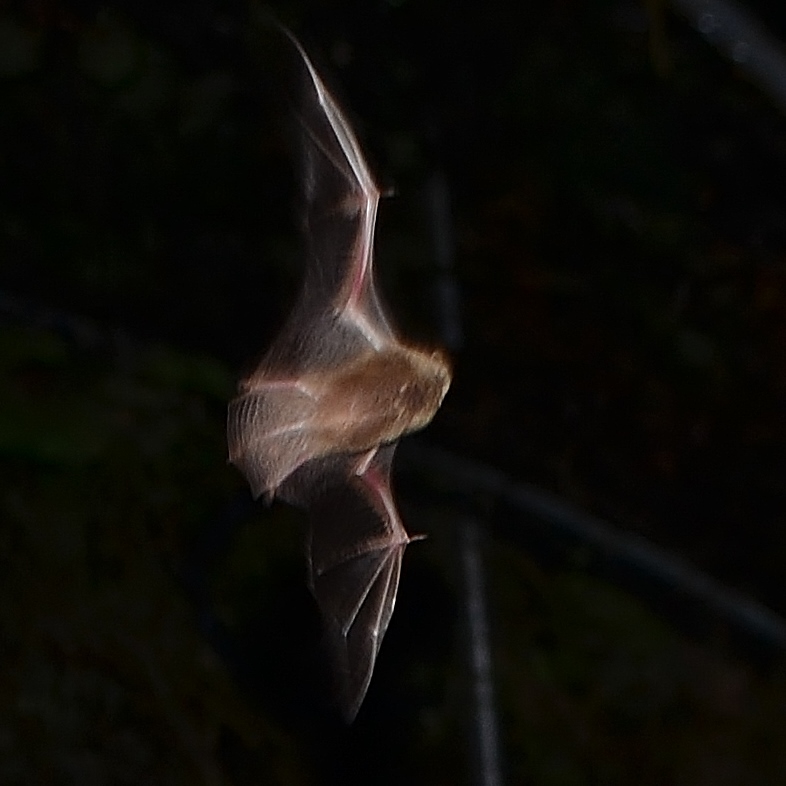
{"points": [[317, 422]]}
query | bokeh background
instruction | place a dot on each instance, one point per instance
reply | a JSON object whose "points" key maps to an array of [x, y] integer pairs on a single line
{"points": [[617, 194]]}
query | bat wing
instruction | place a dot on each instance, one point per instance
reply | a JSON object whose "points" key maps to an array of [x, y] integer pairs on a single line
{"points": [[339, 313], [270, 433], [355, 549]]}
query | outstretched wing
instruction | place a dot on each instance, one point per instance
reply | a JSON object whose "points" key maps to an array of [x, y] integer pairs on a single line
{"points": [[355, 548], [339, 313]]}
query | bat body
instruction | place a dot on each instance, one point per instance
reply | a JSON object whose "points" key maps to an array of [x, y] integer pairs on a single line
{"points": [[317, 422]]}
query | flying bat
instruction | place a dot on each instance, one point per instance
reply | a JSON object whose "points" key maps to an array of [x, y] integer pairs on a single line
{"points": [[317, 422]]}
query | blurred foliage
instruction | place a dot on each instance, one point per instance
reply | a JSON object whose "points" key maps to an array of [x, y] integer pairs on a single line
{"points": [[105, 677], [595, 690], [619, 194]]}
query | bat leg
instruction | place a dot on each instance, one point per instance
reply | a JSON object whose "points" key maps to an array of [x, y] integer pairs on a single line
{"points": [[364, 461]]}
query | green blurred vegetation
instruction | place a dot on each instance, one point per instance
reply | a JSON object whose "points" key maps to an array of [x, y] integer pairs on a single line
{"points": [[105, 677], [619, 195]]}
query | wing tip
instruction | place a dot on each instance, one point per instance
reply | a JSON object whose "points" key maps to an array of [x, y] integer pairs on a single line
{"points": [[350, 683]]}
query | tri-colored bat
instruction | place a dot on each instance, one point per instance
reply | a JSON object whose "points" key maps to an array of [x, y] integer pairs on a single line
{"points": [[317, 422]]}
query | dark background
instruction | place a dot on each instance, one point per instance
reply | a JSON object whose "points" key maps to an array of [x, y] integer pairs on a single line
{"points": [[618, 193]]}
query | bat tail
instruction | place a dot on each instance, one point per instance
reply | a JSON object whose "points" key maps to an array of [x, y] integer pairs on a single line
{"points": [[265, 430]]}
